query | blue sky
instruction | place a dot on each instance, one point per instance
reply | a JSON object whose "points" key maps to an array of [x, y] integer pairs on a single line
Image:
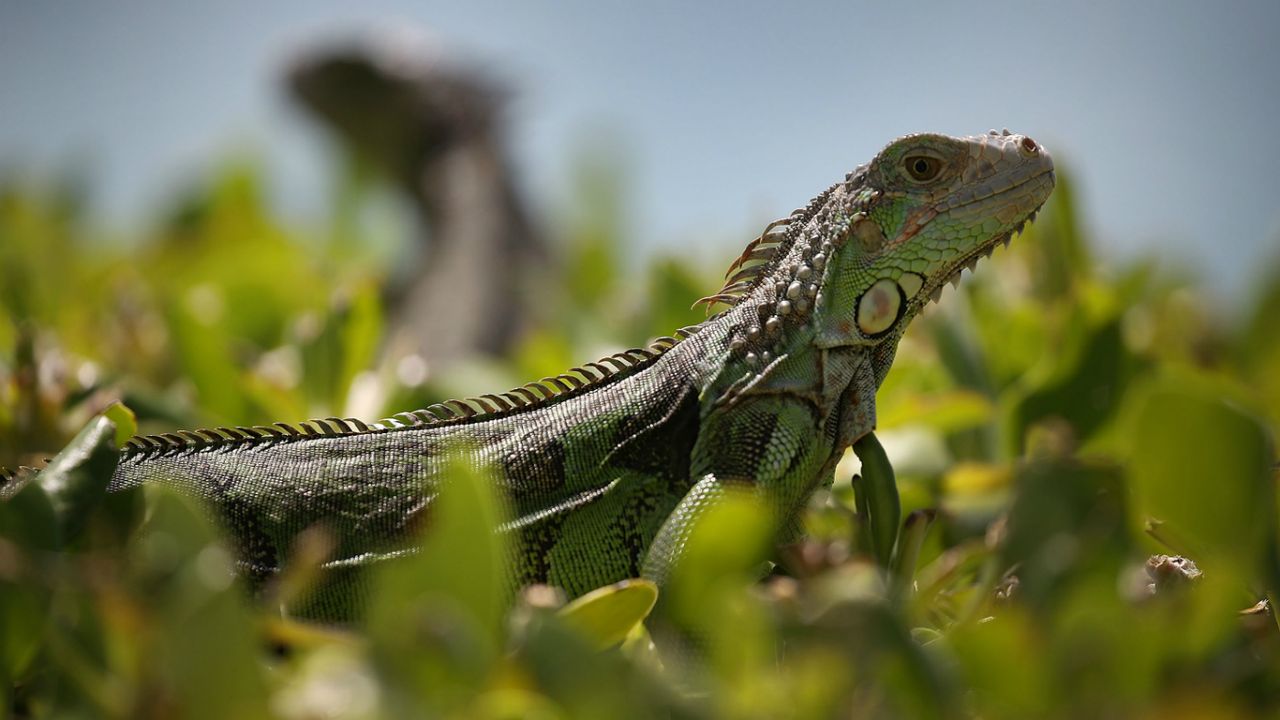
{"points": [[723, 114]]}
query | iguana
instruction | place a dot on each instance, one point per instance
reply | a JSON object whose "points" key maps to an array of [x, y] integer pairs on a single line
{"points": [[435, 128], [606, 467]]}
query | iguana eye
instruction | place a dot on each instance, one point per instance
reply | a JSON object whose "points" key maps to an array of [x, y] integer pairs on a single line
{"points": [[922, 168]]}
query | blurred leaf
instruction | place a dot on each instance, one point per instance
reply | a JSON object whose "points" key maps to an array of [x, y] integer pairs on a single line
{"points": [[911, 539], [1260, 339], [201, 643], [568, 669], [28, 533], [543, 354], [203, 347], [436, 615], [1085, 387], [1012, 328], [331, 681], [608, 615], [945, 411], [894, 675], [76, 480], [724, 555], [361, 334], [672, 289], [1259, 348], [1007, 667], [595, 233], [1067, 522], [961, 356], [341, 348], [124, 420], [726, 549], [1060, 255], [1202, 468]]}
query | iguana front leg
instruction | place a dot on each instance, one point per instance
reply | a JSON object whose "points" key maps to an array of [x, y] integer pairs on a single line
{"points": [[780, 439], [775, 446], [668, 545]]}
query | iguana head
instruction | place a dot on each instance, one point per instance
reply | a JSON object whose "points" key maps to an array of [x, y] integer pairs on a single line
{"points": [[913, 218], [854, 266]]}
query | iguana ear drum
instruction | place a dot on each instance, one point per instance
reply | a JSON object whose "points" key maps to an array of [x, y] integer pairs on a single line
{"points": [[879, 307]]}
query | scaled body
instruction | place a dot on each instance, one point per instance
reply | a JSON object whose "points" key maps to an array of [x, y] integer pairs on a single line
{"points": [[604, 481]]}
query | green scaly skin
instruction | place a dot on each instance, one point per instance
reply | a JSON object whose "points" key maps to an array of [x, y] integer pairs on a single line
{"points": [[604, 481]]}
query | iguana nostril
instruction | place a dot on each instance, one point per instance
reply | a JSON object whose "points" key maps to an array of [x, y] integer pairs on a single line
{"points": [[1028, 145]]}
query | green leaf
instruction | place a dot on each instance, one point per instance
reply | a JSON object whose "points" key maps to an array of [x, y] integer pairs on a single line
{"points": [[595, 232], [203, 346], [362, 328], [345, 343], [1084, 389], [1201, 467], [76, 480], [28, 532], [945, 411], [914, 529], [962, 356], [608, 615], [566, 667], [1005, 665], [126, 422], [672, 289], [1059, 253], [1067, 522], [436, 615], [726, 548], [201, 645], [878, 493], [725, 555]]}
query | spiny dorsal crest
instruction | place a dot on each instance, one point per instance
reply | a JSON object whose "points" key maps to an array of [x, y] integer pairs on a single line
{"points": [[531, 395], [11, 481], [762, 254], [794, 264]]}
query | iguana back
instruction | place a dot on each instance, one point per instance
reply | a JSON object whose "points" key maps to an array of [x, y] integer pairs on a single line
{"points": [[589, 475]]}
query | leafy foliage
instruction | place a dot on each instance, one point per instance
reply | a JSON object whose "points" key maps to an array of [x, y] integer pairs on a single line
{"points": [[1051, 425]]}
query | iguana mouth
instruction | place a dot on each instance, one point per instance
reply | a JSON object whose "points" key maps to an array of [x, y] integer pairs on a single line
{"points": [[970, 261]]}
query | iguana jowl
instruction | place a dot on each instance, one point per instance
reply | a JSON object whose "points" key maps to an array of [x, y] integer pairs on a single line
{"points": [[605, 468]]}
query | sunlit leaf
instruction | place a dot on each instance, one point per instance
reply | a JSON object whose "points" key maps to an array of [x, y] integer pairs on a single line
{"points": [[125, 421], [203, 347], [609, 614], [944, 411]]}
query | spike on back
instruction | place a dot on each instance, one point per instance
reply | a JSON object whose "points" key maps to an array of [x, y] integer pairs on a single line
{"points": [[761, 255], [11, 481], [473, 409]]}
